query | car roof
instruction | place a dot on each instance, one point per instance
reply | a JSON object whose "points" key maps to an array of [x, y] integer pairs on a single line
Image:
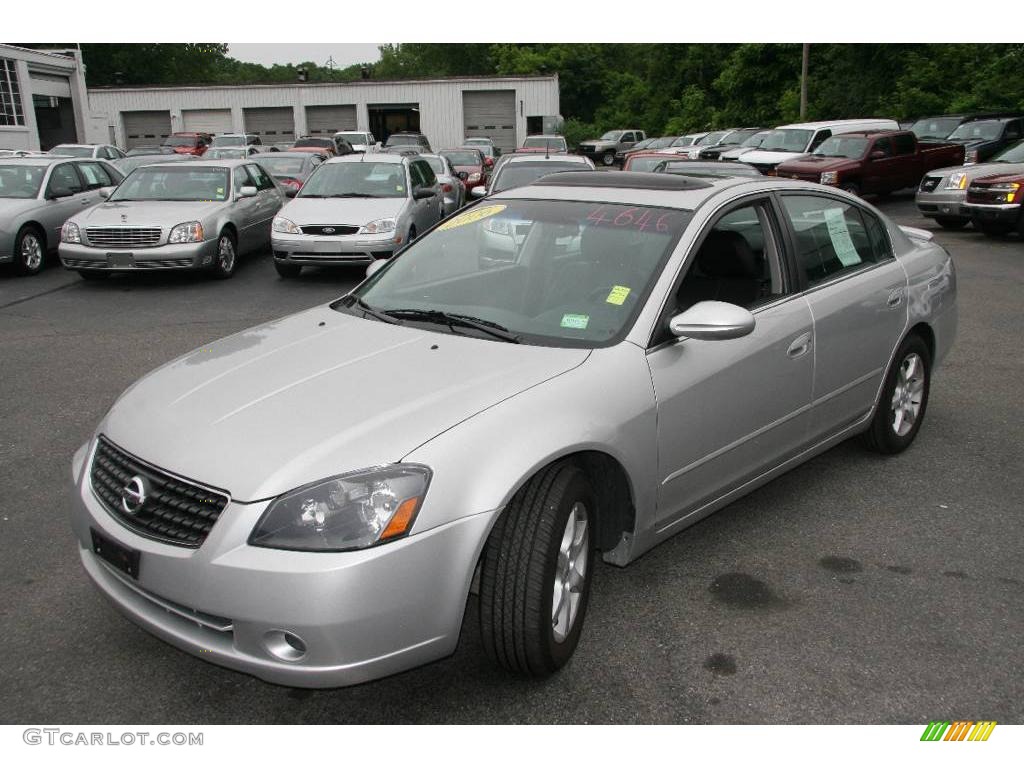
{"points": [[376, 157], [545, 136], [225, 163], [77, 145], [538, 158], [832, 123], [283, 153], [40, 159]]}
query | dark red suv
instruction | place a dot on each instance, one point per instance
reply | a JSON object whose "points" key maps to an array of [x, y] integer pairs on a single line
{"points": [[188, 143]]}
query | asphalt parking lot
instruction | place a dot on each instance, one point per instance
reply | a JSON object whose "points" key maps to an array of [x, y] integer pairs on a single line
{"points": [[854, 589]]}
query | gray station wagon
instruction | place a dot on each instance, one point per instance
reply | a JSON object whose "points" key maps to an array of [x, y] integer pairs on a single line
{"points": [[194, 215]]}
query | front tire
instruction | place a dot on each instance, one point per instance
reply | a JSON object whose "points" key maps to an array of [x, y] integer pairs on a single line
{"points": [[904, 399], [226, 258], [608, 159], [536, 573], [29, 251]]}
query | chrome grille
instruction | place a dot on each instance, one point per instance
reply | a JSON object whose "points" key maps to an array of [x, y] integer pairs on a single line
{"points": [[123, 237], [175, 510], [336, 229]]}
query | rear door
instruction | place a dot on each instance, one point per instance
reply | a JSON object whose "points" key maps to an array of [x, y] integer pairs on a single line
{"points": [[270, 201], [857, 293], [246, 211]]}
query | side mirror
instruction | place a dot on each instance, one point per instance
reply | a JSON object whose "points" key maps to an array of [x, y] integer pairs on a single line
{"points": [[105, 192], [375, 266], [290, 191], [478, 192], [248, 191], [463, 175], [712, 321], [423, 193], [878, 155]]}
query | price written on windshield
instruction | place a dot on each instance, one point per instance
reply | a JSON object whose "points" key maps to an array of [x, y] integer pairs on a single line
{"points": [[629, 218]]}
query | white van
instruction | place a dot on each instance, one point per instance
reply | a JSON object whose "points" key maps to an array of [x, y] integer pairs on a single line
{"points": [[791, 141]]}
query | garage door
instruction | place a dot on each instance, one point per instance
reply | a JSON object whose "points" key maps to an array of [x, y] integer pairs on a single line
{"points": [[50, 85], [328, 120], [207, 120], [145, 128], [492, 115], [273, 124]]}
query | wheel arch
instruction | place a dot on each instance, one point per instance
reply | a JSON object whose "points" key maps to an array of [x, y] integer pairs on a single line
{"points": [[38, 227]]}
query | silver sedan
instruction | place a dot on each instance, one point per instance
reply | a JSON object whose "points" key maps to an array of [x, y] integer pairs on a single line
{"points": [[651, 348], [183, 215]]}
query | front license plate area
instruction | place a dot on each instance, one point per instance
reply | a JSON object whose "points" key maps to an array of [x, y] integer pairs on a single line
{"points": [[121, 557], [115, 260]]}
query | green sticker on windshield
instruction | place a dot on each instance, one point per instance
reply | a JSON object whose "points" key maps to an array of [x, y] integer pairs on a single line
{"points": [[575, 321], [220, 190], [617, 295]]}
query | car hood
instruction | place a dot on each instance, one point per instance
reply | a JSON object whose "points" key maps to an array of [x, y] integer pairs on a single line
{"points": [[732, 154], [812, 164], [979, 169], [769, 157], [146, 212], [599, 143], [316, 394], [998, 178], [341, 210]]}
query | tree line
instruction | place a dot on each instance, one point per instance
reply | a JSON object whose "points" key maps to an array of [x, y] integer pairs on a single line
{"points": [[662, 88]]}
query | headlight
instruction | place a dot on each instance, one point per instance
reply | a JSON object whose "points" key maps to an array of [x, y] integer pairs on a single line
{"points": [[829, 177], [188, 232], [957, 181], [1010, 189], [70, 233], [473, 178], [378, 227], [281, 224], [351, 511]]}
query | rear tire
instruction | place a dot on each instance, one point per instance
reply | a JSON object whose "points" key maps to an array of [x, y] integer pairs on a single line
{"points": [[904, 399], [29, 251], [286, 270], [949, 222], [536, 573]]}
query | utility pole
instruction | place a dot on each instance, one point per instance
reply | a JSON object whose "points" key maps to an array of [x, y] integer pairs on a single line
{"points": [[330, 63], [803, 82]]}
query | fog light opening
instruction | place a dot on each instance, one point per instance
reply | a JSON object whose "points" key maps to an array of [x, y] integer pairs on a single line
{"points": [[286, 646]]}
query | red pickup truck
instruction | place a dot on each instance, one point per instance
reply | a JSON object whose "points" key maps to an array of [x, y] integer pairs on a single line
{"points": [[872, 162]]}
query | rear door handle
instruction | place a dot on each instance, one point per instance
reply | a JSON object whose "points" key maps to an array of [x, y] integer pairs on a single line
{"points": [[895, 298], [801, 344]]}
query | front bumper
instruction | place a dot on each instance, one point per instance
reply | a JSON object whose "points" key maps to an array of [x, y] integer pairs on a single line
{"points": [[361, 615], [177, 256], [1003, 214], [344, 249], [943, 202]]}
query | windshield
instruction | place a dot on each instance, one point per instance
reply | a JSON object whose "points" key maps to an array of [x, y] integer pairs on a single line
{"points": [[554, 273], [664, 141], [842, 146], [787, 140], [1014, 154], [463, 158], [935, 127], [356, 180], [537, 142], [314, 142], [520, 174], [228, 141], [281, 166], [21, 181], [643, 164], [127, 164], [398, 140], [180, 141], [71, 151], [436, 165], [711, 139], [756, 140], [353, 138], [738, 137], [226, 153], [713, 170], [683, 141], [978, 130], [612, 136], [186, 184]]}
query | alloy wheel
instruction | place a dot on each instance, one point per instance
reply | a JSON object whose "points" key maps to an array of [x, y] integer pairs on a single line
{"points": [[570, 572], [908, 394]]}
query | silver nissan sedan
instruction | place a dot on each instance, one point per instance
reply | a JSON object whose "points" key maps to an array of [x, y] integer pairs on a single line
{"points": [[646, 349]]}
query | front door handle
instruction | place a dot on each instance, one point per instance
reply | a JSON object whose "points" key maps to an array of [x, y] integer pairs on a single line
{"points": [[801, 344], [895, 298]]}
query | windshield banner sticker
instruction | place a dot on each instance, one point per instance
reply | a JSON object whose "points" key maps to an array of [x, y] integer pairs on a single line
{"points": [[618, 295], [578, 322], [839, 233], [469, 217]]}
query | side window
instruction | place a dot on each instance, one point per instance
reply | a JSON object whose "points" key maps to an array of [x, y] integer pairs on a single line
{"points": [[831, 236], [883, 145], [880, 243], [417, 175], [819, 137], [64, 180], [242, 179], [1013, 129], [904, 144], [737, 262], [95, 175], [428, 174], [263, 181]]}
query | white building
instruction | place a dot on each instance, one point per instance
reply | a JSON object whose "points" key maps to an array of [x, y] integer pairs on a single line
{"points": [[42, 98], [505, 109]]}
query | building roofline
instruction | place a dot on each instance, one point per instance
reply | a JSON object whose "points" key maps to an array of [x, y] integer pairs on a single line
{"points": [[346, 83]]}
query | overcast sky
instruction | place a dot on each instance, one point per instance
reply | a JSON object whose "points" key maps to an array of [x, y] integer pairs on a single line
{"points": [[296, 53]]}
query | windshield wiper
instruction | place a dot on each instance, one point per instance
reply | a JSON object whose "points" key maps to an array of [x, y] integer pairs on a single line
{"points": [[384, 317], [451, 319], [351, 194]]}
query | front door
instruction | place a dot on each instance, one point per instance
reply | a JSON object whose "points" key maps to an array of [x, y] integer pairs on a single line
{"points": [[729, 410]]}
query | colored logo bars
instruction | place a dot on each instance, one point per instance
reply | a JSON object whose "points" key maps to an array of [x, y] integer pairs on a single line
{"points": [[959, 730]]}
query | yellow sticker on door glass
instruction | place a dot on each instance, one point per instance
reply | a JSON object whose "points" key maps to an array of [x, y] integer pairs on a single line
{"points": [[469, 217], [618, 295]]}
